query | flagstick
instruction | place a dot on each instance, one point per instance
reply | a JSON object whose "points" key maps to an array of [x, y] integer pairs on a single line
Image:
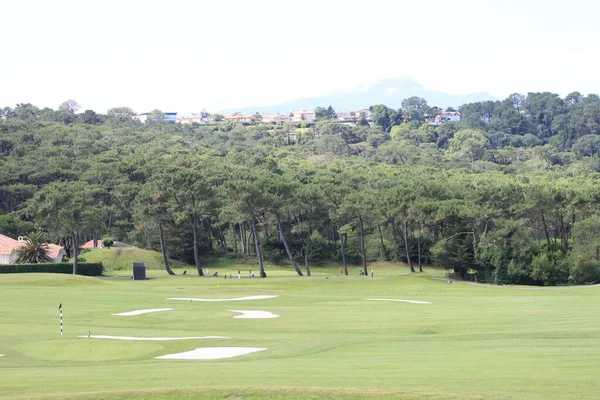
{"points": [[61, 319]]}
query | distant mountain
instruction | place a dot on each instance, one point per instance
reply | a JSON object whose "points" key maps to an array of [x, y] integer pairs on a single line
{"points": [[390, 92]]}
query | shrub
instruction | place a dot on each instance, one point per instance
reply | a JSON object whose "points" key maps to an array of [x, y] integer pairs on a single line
{"points": [[108, 242], [87, 269], [550, 268], [585, 272]]}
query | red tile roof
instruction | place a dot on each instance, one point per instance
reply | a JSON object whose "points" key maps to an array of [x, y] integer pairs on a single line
{"points": [[54, 250], [7, 245]]}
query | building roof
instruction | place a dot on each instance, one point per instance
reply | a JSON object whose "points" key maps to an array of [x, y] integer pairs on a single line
{"points": [[7, 245], [54, 250]]}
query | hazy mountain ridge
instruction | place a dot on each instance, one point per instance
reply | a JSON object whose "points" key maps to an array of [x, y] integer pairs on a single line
{"points": [[390, 92]]}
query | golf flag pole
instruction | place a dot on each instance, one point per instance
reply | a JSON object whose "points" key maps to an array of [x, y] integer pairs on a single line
{"points": [[61, 319]]}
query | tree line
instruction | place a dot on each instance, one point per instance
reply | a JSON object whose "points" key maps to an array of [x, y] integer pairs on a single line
{"points": [[508, 195]]}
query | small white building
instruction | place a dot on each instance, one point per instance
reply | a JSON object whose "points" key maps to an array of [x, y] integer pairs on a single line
{"points": [[343, 116], [361, 113], [168, 116], [303, 116], [446, 116]]}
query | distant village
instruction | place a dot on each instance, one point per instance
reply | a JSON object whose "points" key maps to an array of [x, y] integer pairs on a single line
{"points": [[303, 115]]}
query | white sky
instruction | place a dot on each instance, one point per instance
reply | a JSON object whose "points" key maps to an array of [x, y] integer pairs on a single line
{"points": [[188, 55]]}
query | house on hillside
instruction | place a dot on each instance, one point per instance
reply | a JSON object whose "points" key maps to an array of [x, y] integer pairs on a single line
{"points": [[446, 116], [303, 116], [343, 116], [8, 247], [276, 118], [168, 116], [362, 113]]}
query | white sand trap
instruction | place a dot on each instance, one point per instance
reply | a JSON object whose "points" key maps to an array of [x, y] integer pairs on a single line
{"points": [[152, 338], [1, 355], [140, 312], [254, 314], [403, 301], [235, 299], [212, 353]]}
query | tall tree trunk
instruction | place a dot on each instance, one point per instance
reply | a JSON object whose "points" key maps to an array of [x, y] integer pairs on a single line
{"points": [[405, 231], [288, 250], [308, 245], [261, 267], [396, 240], [344, 263], [545, 227], [196, 253], [335, 232], [235, 241], [564, 235], [419, 250], [75, 254], [383, 250], [163, 249], [362, 245], [208, 228], [251, 238]]}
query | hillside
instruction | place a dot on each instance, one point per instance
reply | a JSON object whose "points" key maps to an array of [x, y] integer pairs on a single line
{"points": [[117, 259]]}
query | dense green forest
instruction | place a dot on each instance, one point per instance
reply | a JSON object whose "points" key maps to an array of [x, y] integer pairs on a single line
{"points": [[508, 195]]}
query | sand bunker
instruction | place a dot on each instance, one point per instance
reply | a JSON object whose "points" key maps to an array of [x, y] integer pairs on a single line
{"points": [[1, 355], [140, 312], [254, 314], [151, 338], [403, 301], [235, 299], [212, 353]]}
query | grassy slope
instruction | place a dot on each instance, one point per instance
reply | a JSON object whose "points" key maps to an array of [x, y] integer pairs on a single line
{"points": [[472, 342], [117, 259]]}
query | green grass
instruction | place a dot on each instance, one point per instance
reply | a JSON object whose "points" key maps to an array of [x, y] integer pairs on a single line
{"points": [[473, 342]]}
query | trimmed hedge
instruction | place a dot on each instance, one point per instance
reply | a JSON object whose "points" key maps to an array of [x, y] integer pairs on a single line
{"points": [[87, 269]]}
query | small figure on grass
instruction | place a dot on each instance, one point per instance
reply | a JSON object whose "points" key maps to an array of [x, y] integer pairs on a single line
{"points": [[372, 273]]}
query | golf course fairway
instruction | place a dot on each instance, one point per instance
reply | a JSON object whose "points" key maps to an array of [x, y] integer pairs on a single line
{"points": [[459, 341]]}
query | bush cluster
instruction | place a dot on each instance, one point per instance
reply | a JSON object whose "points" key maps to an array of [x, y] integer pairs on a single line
{"points": [[87, 269]]}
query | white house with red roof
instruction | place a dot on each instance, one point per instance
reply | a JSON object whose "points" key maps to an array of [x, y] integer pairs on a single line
{"points": [[303, 115], [9, 245], [7, 248]]}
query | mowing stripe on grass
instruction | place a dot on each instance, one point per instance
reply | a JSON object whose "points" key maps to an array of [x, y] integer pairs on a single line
{"points": [[262, 297], [151, 338]]}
